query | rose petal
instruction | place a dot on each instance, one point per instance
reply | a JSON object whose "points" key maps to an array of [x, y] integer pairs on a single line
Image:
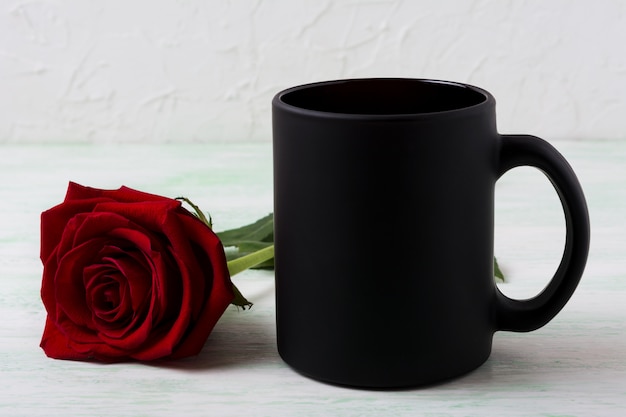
{"points": [[221, 292], [86, 226], [137, 238], [75, 333], [48, 286], [108, 296], [123, 194], [69, 287], [136, 270], [131, 320], [183, 275], [54, 223], [184, 255], [167, 286], [150, 215], [56, 345], [164, 281]]}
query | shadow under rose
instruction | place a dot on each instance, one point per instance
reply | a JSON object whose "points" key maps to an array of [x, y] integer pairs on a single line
{"points": [[240, 339]]}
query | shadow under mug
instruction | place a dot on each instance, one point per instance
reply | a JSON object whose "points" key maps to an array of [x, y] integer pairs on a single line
{"points": [[378, 184]]}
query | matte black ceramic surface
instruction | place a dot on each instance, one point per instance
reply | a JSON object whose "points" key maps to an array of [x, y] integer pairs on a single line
{"points": [[384, 211]]}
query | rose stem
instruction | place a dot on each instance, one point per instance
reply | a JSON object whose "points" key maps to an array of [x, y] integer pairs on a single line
{"points": [[245, 262]]}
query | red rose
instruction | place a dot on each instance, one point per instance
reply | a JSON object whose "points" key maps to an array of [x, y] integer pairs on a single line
{"points": [[129, 275]]}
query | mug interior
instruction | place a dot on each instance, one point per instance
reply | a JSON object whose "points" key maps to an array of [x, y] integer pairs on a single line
{"points": [[384, 96]]}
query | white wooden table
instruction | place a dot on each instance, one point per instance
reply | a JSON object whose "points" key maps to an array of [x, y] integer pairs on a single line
{"points": [[574, 366]]}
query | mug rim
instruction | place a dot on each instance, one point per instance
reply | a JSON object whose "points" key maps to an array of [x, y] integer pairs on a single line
{"points": [[487, 101]]}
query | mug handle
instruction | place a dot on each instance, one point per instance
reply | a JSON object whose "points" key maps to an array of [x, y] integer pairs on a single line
{"points": [[527, 315]]}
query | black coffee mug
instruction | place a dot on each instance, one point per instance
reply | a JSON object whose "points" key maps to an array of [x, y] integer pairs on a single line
{"points": [[384, 213]]}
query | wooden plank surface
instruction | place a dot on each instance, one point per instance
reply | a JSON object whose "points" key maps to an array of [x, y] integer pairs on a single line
{"points": [[574, 366]]}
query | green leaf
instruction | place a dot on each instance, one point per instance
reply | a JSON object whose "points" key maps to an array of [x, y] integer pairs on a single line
{"points": [[240, 300], [249, 239], [260, 231], [497, 272]]}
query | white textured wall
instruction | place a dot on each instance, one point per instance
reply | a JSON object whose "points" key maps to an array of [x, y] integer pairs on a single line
{"points": [[199, 70]]}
